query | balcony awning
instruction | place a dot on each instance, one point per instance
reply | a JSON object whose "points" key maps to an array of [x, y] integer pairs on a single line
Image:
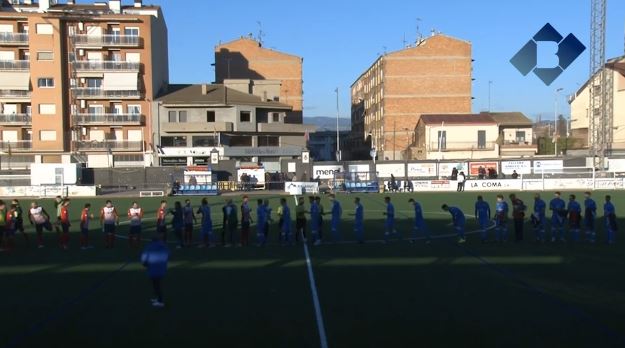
{"points": [[14, 80], [125, 81]]}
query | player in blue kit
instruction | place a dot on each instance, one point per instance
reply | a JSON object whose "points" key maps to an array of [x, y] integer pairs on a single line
{"points": [[558, 214], [335, 222], [458, 221], [285, 228], [261, 222], [315, 219], [419, 223], [574, 211], [609, 213], [501, 220], [539, 218], [389, 224], [482, 216], [359, 215], [590, 214], [206, 229]]}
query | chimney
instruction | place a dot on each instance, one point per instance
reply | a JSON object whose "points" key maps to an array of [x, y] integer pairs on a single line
{"points": [[204, 89], [115, 6], [138, 3]]}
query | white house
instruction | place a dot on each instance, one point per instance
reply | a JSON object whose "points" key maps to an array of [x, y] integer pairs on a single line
{"points": [[455, 136]]}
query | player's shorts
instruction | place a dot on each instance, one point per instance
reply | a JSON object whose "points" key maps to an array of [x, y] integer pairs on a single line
{"points": [[188, 227], [557, 221], [162, 229], [65, 227], [501, 222], [589, 222], [206, 229], [109, 228], [84, 230], [135, 229], [19, 225]]}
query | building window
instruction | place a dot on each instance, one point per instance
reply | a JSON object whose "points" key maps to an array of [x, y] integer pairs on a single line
{"points": [[481, 139], [245, 116], [241, 141], [520, 137], [47, 109], [174, 141], [128, 158], [182, 116], [266, 140], [47, 135], [44, 29], [94, 83], [173, 117], [204, 141], [45, 55], [210, 116], [134, 109], [45, 82], [131, 31], [442, 140], [275, 117]]}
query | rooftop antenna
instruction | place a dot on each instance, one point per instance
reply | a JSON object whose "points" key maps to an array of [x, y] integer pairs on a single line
{"points": [[404, 41], [261, 34], [419, 35]]}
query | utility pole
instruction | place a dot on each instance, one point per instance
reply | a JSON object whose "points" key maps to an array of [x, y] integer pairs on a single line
{"points": [[555, 122], [338, 139]]}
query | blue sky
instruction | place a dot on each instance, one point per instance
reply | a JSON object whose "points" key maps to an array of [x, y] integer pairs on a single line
{"points": [[340, 39]]}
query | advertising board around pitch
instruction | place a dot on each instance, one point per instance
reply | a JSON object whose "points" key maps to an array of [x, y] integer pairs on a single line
{"points": [[521, 167]]}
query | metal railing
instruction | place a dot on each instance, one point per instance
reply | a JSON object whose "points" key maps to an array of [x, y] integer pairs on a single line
{"points": [[106, 145], [99, 93], [106, 40], [20, 145], [14, 93], [16, 119], [14, 65], [105, 66], [461, 146], [13, 38], [107, 119]]}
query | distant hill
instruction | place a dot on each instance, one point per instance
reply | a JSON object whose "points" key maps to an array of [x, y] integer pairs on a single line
{"points": [[328, 123]]}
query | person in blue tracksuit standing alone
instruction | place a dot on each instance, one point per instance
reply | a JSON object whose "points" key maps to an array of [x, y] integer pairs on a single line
{"points": [[539, 218], [558, 214], [609, 213], [154, 258], [419, 223], [336, 212], [590, 213], [482, 215], [458, 221], [359, 216]]}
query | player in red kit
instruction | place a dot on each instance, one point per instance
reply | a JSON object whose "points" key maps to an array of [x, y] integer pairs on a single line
{"points": [[64, 220], [161, 224], [85, 219]]}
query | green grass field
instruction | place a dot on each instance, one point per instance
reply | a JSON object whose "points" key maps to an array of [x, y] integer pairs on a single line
{"points": [[371, 295]]}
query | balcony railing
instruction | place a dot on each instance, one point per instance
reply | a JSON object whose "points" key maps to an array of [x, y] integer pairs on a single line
{"points": [[107, 40], [105, 66], [13, 38], [108, 145], [14, 65], [16, 119], [15, 93], [20, 145], [461, 146], [108, 119], [99, 93]]}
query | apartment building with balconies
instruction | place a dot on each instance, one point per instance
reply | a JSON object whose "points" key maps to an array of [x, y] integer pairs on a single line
{"points": [[77, 80], [196, 120]]}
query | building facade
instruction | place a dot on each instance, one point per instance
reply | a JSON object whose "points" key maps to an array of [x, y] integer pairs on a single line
{"points": [[455, 136], [433, 76], [77, 81], [516, 134], [322, 144], [580, 121], [195, 120], [275, 76]]}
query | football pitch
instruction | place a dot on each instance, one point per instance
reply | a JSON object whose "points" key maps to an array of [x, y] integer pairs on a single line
{"points": [[371, 295]]}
